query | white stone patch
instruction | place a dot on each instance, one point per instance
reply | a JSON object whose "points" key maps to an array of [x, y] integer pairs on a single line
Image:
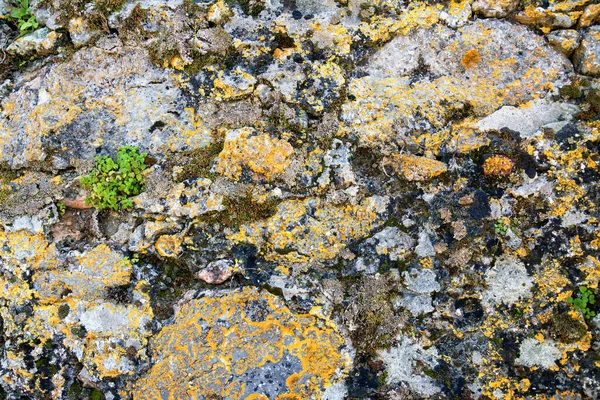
{"points": [[507, 282], [419, 284], [401, 364], [105, 319], [527, 121], [394, 243], [425, 247], [572, 218], [534, 353]]}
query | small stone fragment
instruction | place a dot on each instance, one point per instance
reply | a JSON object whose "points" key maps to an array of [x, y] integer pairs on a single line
{"points": [[415, 168], [566, 40], [40, 43], [494, 8], [217, 272]]}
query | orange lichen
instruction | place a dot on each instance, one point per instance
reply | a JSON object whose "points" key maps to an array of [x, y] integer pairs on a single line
{"points": [[498, 166], [471, 59], [168, 245], [263, 155]]}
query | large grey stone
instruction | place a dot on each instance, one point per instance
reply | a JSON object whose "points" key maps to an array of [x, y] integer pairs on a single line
{"points": [[587, 56]]}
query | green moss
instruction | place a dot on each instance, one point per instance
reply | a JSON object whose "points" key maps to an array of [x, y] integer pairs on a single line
{"points": [[7, 175], [96, 395], [134, 21], [110, 5], [590, 105], [197, 163], [570, 91], [250, 7], [371, 312], [63, 311], [566, 329], [382, 378], [240, 211], [112, 182]]}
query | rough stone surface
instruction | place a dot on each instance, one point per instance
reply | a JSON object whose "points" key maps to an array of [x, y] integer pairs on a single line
{"points": [[494, 9], [361, 199]]}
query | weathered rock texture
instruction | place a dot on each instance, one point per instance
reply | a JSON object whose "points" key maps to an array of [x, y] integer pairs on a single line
{"points": [[342, 199]]}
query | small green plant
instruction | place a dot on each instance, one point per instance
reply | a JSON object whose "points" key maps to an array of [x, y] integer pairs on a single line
{"points": [[583, 301], [23, 17], [112, 182], [131, 260], [500, 227], [62, 207]]}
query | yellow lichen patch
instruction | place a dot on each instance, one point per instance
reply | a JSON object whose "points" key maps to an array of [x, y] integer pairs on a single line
{"points": [[236, 84], [591, 268], [312, 230], [23, 251], [222, 345], [418, 14], [498, 166], [415, 168], [168, 245], [101, 267], [471, 59], [263, 155]]}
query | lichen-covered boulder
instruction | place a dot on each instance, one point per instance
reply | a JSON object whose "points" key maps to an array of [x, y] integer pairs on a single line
{"points": [[114, 96], [485, 64], [243, 344]]}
